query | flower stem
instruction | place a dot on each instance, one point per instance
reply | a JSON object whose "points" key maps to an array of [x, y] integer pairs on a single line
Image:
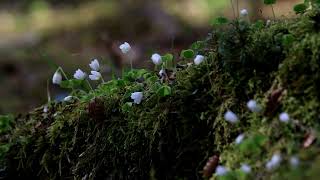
{"points": [[102, 80], [48, 92], [63, 73], [89, 84], [274, 15], [130, 59]]}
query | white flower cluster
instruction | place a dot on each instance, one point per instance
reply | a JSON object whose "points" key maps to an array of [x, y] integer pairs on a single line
{"points": [[198, 59], [245, 168], [95, 74], [274, 162], [231, 117], [239, 138], [125, 47], [254, 106], [79, 74], [156, 59], [137, 97], [222, 170], [284, 117], [244, 12]]}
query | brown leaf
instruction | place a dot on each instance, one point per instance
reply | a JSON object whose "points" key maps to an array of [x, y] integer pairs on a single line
{"points": [[211, 166], [309, 139], [273, 101], [96, 109]]}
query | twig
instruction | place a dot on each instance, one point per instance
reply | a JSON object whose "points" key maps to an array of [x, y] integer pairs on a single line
{"points": [[234, 13], [274, 15]]}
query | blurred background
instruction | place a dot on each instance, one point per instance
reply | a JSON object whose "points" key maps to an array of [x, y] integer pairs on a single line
{"points": [[35, 34]]}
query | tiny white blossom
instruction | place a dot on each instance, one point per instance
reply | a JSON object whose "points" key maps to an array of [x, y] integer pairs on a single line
{"points": [[162, 73], [198, 59], [294, 161], [156, 59], [94, 65], [125, 47], [221, 170], [239, 139], [68, 98], [57, 78], [79, 74], [95, 75], [231, 117], [268, 23], [253, 106], [244, 12], [45, 109], [284, 117], [137, 97], [245, 168], [274, 162]]}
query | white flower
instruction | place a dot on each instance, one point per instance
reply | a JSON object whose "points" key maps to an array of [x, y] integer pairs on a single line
{"points": [[45, 109], [162, 73], [68, 98], [79, 74], [268, 23], [125, 47], [221, 170], [94, 65], [284, 117], [57, 78], [95, 75], [240, 138], [198, 59], [244, 12], [274, 162], [230, 117], [245, 168], [253, 106], [156, 59], [294, 161], [137, 97]]}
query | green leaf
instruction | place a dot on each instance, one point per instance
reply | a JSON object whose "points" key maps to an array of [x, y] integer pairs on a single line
{"points": [[189, 53], [252, 144], [198, 45], [72, 83], [269, 2], [127, 107], [134, 74], [219, 21], [5, 123], [152, 79], [167, 57], [287, 39], [259, 24], [164, 91], [300, 8]]}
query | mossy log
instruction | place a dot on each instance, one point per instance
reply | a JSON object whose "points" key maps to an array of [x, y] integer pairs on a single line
{"points": [[103, 135]]}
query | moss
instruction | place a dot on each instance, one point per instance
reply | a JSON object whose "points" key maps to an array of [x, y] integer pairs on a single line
{"points": [[102, 135]]}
